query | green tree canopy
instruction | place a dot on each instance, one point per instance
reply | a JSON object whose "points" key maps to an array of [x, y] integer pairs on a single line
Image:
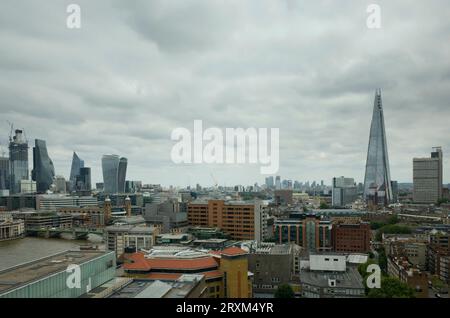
{"points": [[392, 229], [284, 291], [392, 288]]}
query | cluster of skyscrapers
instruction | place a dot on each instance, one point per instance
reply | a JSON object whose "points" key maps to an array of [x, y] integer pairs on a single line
{"points": [[15, 176]]}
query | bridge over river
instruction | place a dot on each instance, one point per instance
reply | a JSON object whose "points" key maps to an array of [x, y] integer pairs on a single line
{"points": [[79, 233]]}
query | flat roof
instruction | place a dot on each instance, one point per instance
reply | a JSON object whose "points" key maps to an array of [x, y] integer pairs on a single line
{"points": [[20, 275], [176, 288], [348, 279]]}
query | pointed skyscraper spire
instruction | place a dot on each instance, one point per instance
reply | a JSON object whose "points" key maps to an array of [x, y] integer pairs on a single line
{"points": [[377, 181]]}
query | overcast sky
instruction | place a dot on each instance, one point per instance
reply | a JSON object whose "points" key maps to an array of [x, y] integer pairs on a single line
{"points": [[138, 69]]}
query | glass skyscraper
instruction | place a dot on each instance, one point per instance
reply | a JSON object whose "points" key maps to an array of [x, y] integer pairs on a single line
{"points": [[43, 169], [110, 167], [77, 164], [84, 179], [4, 173], [122, 175], [377, 181], [18, 161]]}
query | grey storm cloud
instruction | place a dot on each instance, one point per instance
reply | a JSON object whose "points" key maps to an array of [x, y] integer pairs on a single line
{"points": [[136, 70]]}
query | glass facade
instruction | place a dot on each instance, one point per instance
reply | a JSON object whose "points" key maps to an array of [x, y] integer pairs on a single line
{"points": [[43, 169], [122, 175], [77, 164], [110, 167], [4, 173], [93, 273], [18, 161], [377, 181], [84, 179]]}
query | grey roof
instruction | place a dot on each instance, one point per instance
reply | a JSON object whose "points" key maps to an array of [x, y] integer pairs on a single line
{"points": [[348, 279], [155, 290]]}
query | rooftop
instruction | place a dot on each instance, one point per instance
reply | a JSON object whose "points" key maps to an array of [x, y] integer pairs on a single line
{"points": [[179, 287], [141, 262], [348, 279], [23, 274]]}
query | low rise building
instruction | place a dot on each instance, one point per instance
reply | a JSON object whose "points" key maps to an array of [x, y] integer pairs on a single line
{"points": [[135, 237], [184, 286], [242, 220], [329, 276], [309, 231], [351, 236], [168, 215], [273, 265], [10, 229], [226, 271], [48, 277], [401, 268]]}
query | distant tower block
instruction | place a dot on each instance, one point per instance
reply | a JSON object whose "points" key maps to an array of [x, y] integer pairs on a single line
{"points": [[377, 181]]}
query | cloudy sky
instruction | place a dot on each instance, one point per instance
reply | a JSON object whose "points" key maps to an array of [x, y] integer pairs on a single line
{"points": [[136, 70]]}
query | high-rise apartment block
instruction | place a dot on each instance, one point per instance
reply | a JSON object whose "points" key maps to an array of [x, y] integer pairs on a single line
{"points": [[427, 177], [344, 191]]}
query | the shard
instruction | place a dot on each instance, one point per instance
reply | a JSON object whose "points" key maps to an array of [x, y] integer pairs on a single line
{"points": [[377, 181]]}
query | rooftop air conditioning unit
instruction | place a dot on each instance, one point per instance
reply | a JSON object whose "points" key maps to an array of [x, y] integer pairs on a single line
{"points": [[331, 282]]}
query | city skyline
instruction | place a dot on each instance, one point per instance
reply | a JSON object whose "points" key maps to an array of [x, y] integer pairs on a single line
{"points": [[130, 101]]}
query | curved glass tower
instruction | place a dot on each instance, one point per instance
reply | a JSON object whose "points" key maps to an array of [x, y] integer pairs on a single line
{"points": [[377, 181], [43, 169], [122, 175], [77, 164], [110, 167]]}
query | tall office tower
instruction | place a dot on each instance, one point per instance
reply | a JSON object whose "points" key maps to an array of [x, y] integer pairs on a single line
{"points": [[343, 192], [84, 179], [427, 177], [278, 183], [4, 174], [377, 181], [77, 164], [60, 184], [269, 182], [110, 167], [122, 175], [18, 160], [43, 169]]}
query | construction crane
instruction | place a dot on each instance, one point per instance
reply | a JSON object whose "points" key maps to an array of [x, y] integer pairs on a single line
{"points": [[10, 124], [216, 184]]}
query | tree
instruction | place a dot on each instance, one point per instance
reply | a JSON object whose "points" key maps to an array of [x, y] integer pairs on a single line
{"points": [[284, 291], [392, 288], [392, 229], [324, 206]]}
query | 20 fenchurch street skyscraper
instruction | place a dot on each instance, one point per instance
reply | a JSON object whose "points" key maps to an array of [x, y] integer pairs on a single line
{"points": [[377, 181], [110, 167], [114, 173]]}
